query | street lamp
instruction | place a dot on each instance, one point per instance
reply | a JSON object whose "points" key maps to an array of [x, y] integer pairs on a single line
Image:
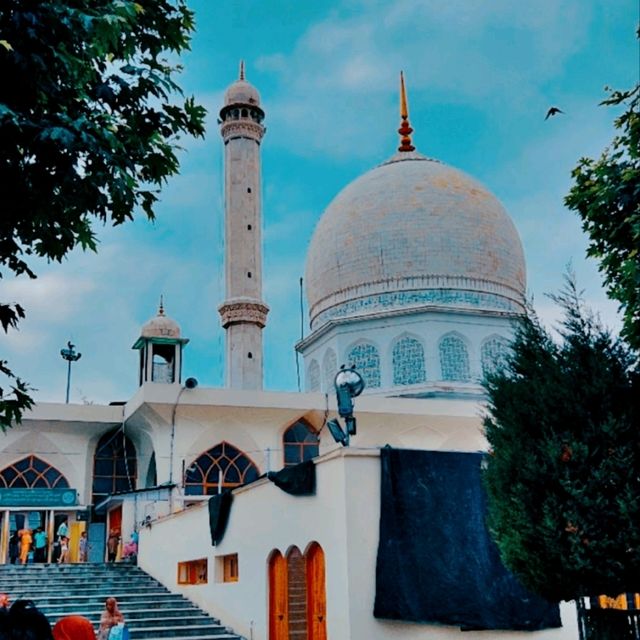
{"points": [[69, 354], [348, 384]]}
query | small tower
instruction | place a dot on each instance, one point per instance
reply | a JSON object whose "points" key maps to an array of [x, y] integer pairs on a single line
{"points": [[160, 347], [243, 312]]}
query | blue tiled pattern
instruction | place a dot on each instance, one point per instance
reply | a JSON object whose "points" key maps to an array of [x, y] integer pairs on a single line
{"points": [[329, 368], [400, 299], [313, 376], [493, 353], [366, 359], [408, 362], [454, 359]]}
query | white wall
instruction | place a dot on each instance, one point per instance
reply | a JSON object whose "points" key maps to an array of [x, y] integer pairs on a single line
{"points": [[343, 517]]}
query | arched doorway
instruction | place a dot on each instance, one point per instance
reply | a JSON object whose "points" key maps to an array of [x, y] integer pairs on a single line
{"points": [[278, 598], [316, 593], [297, 594]]}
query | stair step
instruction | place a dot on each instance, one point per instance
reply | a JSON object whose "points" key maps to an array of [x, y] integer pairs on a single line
{"points": [[152, 612]]}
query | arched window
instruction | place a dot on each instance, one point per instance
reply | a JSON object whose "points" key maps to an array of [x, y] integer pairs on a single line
{"points": [[222, 466], [115, 465], [300, 443], [329, 368], [493, 353], [31, 473], [408, 362], [313, 376], [366, 359], [454, 359]]}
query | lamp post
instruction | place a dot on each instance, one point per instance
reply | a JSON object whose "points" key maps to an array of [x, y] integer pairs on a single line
{"points": [[348, 384], [69, 354]]}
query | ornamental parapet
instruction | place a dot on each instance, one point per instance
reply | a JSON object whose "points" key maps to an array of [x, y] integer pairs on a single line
{"points": [[242, 129], [243, 312]]}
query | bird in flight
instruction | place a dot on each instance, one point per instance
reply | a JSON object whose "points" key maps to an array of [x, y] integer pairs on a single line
{"points": [[552, 112]]}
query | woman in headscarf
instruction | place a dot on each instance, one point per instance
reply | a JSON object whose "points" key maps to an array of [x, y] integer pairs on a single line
{"points": [[110, 617], [73, 628]]}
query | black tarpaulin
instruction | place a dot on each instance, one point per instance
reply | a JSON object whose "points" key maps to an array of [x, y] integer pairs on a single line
{"points": [[219, 510], [436, 561], [298, 480]]}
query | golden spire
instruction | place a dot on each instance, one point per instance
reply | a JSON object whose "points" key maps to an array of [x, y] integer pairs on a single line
{"points": [[241, 70], [405, 129], [161, 307]]}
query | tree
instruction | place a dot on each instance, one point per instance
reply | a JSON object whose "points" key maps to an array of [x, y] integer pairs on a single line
{"points": [[90, 119], [563, 477], [606, 196]]}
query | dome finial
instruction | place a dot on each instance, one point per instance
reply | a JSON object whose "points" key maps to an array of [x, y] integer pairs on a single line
{"points": [[241, 70], [161, 307], [405, 129]]}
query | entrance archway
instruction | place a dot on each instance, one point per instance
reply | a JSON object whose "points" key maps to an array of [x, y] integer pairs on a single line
{"points": [[278, 598], [297, 594], [316, 593]]}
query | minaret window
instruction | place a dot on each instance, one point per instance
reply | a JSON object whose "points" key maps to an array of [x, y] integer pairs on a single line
{"points": [[366, 359], [248, 274], [248, 189], [245, 113], [250, 355], [249, 227], [454, 359], [222, 467], [408, 362]]}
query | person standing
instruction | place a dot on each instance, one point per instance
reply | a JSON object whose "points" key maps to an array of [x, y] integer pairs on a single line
{"points": [[63, 529], [112, 545], [40, 545], [110, 617], [83, 547], [14, 547]]}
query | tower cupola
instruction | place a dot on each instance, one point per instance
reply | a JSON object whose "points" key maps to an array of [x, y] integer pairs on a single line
{"points": [[160, 345]]}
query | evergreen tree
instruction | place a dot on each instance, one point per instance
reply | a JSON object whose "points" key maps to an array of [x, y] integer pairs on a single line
{"points": [[563, 474]]}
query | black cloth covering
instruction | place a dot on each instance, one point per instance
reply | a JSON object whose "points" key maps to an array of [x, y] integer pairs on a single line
{"points": [[436, 561], [219, 510], [298, 480]]}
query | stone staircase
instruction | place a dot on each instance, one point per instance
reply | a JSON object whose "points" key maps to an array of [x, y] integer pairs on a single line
{"points": [[150, 610]]}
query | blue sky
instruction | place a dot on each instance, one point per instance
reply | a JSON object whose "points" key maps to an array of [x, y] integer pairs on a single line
{"points": [[480, 77]]}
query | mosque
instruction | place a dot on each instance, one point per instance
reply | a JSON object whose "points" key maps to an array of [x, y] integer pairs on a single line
{"points": [[415, 276]]}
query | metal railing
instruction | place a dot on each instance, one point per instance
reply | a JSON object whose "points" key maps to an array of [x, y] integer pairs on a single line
{"points": [[608, 624]]}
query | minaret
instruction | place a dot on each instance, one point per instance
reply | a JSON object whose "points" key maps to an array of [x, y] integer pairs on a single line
{"points": [[243, 312]]}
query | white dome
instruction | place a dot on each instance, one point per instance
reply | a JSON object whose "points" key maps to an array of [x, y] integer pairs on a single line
{"points": [[241, 92], [413, 232], [161, 327]]}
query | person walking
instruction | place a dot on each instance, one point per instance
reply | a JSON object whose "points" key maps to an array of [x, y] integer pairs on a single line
{"points": [[25, 545], [64, 550], [40, 545]]}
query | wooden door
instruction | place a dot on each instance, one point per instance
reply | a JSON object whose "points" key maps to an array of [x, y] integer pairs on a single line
{"points": [[278, 598], [316, 594]]}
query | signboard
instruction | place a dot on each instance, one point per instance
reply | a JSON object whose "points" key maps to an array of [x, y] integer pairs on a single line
{"points": [[38, 497]]}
